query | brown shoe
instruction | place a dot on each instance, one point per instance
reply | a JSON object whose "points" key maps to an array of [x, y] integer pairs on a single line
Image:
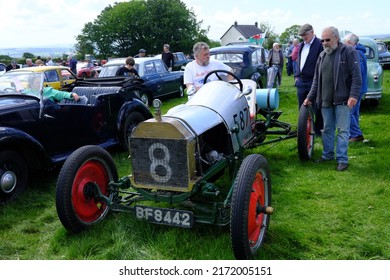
{"points": [[360, 138]]}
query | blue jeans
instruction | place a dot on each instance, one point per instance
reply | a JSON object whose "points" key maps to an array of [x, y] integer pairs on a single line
{"points": [[336, 117], [354, 129]]}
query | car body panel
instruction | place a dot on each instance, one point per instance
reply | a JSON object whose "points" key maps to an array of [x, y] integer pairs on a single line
{"points": [[247, 61], [374, 69]]}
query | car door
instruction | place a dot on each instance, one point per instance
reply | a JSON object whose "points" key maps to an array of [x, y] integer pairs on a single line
{"points": [[167, 79]]}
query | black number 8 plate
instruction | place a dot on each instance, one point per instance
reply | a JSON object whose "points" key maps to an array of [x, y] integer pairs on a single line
{"points": [[171, 217]]}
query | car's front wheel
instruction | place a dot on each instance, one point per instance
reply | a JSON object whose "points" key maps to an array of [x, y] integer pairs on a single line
{"points": [[250, 206], [13, 176], [84, 177]]}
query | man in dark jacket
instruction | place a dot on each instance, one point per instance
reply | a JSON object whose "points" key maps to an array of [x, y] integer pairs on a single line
{"points": [[275, 58], [309, 50], [167, 57], [336, 90]]}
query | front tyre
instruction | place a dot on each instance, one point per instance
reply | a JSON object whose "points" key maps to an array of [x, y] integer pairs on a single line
{"points": [[306, 132], [77, 198], [13, 176], [250, 199]]}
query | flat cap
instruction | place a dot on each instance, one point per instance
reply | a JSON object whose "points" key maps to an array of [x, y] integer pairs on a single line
{"points": [[142, 51], [304, 29]]}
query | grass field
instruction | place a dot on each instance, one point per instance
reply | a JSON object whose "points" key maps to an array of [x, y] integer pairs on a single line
{"points": [[320, 214]]}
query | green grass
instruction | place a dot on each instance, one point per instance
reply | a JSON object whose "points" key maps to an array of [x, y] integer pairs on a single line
{"points": [[319, 213]]}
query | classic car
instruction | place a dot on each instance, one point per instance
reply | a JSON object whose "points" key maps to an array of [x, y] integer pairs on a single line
{"points": [[247, 61], [189, 166], [384, 55], [374, 71], [158, 80], [58, 77], [37, 133], [85, 69]]}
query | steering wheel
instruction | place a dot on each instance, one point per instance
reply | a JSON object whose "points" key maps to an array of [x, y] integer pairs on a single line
{"points": [[7, 90], [238, 81]]}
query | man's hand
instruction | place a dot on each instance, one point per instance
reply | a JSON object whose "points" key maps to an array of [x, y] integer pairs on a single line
{"points": [[306, 102], [351, 102]]}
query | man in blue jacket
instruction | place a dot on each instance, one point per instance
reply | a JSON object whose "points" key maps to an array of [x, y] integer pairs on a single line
{"points": [[355, 133], [309, 50], [336, 90]]}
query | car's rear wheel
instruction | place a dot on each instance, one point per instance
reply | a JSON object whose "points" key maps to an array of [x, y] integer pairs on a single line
{"points": [[250, 207], [13, 176], [145, 98], [86, 173], [132, 120], [306, 132]]}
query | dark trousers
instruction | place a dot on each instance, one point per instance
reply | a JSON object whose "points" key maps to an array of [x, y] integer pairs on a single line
{"points": [[290, 70], [303, 88]]}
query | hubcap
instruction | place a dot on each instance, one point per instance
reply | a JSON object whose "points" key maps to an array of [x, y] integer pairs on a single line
{"points": [[8, 181]]}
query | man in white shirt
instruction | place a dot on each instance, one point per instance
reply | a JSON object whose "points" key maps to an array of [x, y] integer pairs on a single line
{"points": [[196, 70]]}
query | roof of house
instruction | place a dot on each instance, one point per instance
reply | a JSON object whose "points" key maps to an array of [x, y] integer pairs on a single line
{"points": [[246, 30]]}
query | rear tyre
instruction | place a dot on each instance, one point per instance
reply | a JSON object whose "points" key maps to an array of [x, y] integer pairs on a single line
{"points": [[132, 120], [77, 202], [13, 176], [251, 195], [306, 132]]}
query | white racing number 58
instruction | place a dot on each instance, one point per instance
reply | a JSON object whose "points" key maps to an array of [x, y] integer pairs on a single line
{"points": [[159, 156]]}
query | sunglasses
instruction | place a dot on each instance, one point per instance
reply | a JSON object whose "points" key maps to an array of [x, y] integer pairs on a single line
{"points": [[325, 40]]}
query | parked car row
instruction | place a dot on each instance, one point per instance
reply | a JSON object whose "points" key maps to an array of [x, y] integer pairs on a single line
{"points": [[159, 82]]}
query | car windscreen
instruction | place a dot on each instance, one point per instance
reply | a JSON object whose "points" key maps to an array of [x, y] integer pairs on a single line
{"points": [[23, 83]]}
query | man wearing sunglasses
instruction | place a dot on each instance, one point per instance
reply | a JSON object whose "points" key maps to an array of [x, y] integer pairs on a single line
{"points": [[309, 50], [336, 90]]}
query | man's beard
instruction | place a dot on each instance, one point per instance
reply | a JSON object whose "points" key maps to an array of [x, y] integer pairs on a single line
{"points": [[329, 50], [205, 63]]}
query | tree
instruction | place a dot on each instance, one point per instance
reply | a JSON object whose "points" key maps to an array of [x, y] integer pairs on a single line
{"points": [[122, 29], [270, 36], [289, 34]]}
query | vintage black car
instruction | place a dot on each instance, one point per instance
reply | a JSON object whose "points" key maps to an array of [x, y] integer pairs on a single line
{"points": [[246, 61], [38, 133]]}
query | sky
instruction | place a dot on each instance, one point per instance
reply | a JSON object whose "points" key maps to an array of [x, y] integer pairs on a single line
{"points": [[34, 23]]}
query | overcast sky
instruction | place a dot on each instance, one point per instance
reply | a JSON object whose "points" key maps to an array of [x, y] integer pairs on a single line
{"points": [[28, 23]]}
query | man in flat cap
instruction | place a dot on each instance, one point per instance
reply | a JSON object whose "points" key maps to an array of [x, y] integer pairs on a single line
{"points": [[141, 53], [309, 50]]}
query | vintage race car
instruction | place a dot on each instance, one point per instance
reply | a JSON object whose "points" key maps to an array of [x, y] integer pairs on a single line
{"points": [[188, 166], [37, 133]]}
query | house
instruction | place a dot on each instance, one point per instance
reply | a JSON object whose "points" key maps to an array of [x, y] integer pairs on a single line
{"points": [[242, 33]]}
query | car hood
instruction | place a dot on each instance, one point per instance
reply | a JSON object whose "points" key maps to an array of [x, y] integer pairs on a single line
{"points": [[10, 102]]}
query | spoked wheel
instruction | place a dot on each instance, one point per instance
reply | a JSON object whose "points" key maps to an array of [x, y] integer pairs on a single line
{"points": [[86, 173], [306, 132], [250, 207], [132, 120]]}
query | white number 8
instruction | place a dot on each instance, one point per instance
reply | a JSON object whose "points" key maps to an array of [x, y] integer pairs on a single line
{"points": [[164, 162]]}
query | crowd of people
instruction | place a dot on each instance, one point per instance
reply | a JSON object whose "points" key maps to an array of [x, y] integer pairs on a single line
{"points": [[333, 89], [314, 63]]}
